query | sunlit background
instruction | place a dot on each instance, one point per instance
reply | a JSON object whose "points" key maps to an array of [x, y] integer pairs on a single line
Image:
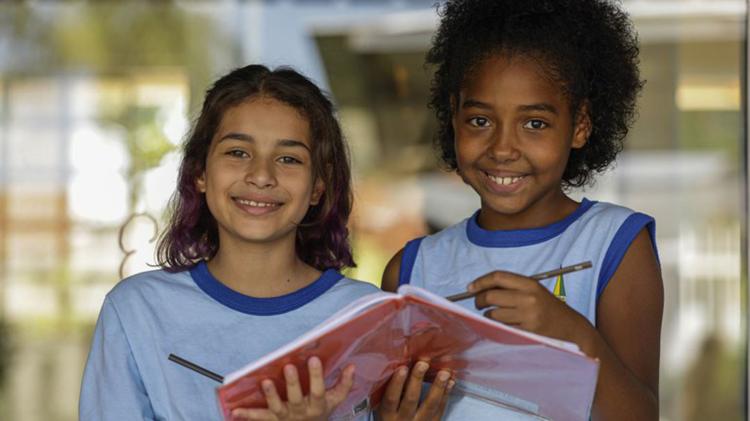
{"points": [[96, 97]]}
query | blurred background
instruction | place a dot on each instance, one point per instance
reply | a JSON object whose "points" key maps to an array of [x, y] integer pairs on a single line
{"points": [[95, 98]]}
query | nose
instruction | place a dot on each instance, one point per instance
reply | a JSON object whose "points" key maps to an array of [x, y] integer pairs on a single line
{"points": [[260, 174], [503, 146]]}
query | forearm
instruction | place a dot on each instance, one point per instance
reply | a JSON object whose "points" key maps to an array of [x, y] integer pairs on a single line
{"points": [[620, 395]]}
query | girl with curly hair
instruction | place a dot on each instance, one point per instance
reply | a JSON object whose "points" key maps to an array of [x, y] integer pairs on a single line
{"points": [[533, 98]]}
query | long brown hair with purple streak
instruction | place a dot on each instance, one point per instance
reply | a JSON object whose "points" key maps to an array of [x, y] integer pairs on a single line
{"points": [[322, 239]]}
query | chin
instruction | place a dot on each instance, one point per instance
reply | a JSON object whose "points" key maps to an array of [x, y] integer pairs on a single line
{"points": [[506, 206]]}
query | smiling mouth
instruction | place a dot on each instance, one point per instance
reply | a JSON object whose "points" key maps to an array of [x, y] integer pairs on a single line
{"points": [[257, 203], [505, 181]]}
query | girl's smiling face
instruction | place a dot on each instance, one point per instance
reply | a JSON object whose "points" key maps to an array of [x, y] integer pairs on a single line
{"points": [[513, 130], [258, 178]]}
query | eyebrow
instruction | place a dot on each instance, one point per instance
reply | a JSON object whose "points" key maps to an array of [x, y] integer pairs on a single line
{"points": [[290, 143], [542, 106], [473, 103]]}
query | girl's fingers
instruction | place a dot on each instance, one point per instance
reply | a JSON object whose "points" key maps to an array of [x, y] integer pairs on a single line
{"points": [[294, 396], [317, 386], [498, 298], [273, 400], [253, 414], [431, 404], [444, 399], [509, 316], [392, 394], [500, 279], [410, 400], [338, 393]]}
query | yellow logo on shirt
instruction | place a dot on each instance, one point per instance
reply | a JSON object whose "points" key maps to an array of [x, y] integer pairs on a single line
{"points": [[559, 289]]}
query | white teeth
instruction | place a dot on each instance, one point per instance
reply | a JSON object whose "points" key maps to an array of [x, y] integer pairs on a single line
{"points": [[255, 204], [505, 180]]}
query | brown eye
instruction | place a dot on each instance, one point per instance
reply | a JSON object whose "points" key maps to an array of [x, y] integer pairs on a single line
{"points": [[289, 160], [535, 125], [479, 121], [237, 153]]}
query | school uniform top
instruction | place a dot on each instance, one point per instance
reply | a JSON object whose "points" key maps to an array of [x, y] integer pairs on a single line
{"points": [[193, 315], [446, 262]]}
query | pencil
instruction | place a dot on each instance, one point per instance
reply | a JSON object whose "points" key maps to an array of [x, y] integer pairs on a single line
{"points": [[538, 277], [196, 368]]}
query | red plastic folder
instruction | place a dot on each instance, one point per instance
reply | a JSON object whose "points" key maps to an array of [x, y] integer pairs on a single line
{"points": [[512, 368]]}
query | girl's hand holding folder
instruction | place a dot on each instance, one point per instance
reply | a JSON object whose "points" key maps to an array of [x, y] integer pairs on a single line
{"points": [[318, 405], [402, 405]]}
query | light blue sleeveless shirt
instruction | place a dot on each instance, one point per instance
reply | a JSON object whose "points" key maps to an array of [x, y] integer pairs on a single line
{"points": [[191, 314], [446, 262]]}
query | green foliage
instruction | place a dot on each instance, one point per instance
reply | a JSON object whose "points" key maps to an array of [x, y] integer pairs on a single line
{"points": [[111, 34], [111, 38], [145, 141]]}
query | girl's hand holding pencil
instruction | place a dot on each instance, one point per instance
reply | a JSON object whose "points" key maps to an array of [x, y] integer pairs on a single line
{"points": [[523, 302], [538, 277]]}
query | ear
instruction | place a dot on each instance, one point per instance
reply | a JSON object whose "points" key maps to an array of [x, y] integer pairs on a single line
{"points": [[200, 182], [582, 129], [318, 189]]}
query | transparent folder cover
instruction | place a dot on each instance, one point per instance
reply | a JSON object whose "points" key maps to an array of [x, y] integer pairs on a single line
{"points": [[530, 373]]}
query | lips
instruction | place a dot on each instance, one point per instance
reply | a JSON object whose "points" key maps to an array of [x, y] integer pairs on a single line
{"points": [[505, 182], [257, 205], [260, 204]]}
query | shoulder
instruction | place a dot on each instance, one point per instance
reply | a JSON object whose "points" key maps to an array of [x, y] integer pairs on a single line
{"points": [[134, 299], [615, 230], [614, 221], [633, 243], [449, 234], [624, 224], [610, 212], [355, 286], [149, 286], [447, 238], [389, 282]]}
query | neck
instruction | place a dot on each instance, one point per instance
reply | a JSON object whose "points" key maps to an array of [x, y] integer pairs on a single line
{"points": [[545, 211], [261, 270]]}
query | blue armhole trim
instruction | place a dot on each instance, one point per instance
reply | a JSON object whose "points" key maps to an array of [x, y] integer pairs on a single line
{"points": [[407, 260], [620, 243]]}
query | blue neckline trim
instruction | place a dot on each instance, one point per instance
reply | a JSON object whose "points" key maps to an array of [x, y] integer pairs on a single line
{"points": [[261, 306], [523, 237]]}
